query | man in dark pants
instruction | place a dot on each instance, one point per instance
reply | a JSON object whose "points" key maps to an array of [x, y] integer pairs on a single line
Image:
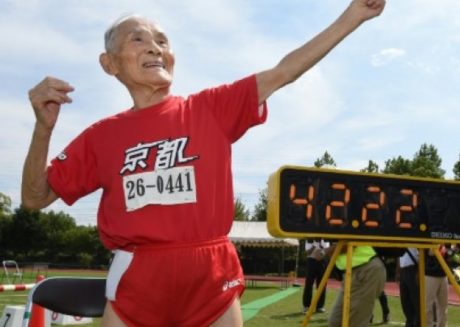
{"points": [[315, 272], [385, 308], [407, 276]]}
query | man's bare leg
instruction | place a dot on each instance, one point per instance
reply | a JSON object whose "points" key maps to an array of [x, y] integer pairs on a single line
{"points": [[232, 317], [110, 318]]}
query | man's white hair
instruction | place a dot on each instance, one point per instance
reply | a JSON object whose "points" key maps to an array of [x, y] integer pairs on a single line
{"points": [[111, 32]]}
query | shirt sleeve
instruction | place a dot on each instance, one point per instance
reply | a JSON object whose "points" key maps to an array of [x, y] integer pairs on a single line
{"points": [[72, 174], [235, 106]]}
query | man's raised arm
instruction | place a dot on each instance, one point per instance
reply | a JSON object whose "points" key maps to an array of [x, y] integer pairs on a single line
{"points": [[46, 99], [296, 63]]}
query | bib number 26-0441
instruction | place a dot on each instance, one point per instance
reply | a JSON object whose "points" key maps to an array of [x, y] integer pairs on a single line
{"points": [[167, 187]]}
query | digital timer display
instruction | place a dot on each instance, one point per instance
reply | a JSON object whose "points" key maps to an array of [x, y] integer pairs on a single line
{"points": [[309, 202]]}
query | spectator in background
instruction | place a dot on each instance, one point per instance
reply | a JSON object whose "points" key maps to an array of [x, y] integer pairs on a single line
{"points": [[385, 309], [367, 282], [452, 255], [407, 277], [436, 291], [315, 272]]}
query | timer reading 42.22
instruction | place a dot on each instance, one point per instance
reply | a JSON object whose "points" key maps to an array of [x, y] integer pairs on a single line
{"points": [[307, 202]]}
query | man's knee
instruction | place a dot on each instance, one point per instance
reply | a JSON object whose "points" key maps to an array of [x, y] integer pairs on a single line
{"points": [[232, 317]]}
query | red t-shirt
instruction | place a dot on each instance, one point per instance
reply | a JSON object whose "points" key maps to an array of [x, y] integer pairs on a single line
{"points": [[165, 170]]}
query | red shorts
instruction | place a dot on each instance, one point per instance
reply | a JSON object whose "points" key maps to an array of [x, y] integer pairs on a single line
{"points": [[190, 284]]}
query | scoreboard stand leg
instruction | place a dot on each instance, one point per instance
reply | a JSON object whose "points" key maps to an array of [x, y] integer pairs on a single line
{"points": [[347, 292], [421, 283]]}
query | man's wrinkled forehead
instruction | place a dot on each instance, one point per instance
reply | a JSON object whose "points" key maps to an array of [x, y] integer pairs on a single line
{"points": [[128, 25], [137, 25]]}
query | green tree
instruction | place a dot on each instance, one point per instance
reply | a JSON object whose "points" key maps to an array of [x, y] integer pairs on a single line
{"points": [[5, 226], [260, 209], [79, 239], [398, 166], [33, 235], [427, 163], [456, 170], [100, 254], [24, 232], [5, 205], [241, 213], [372, 167], [85, 259], [5, 215], [54, 225], [326, 160]]}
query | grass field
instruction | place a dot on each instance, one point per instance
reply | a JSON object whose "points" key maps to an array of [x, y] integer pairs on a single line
{"points": [[283, 313]]}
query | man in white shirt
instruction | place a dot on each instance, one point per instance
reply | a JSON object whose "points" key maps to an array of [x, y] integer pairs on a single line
{"points": [[406, 276], [315, 272]]}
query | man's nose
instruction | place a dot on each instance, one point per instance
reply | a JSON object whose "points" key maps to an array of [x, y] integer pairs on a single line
{"points": [[154, 48]]}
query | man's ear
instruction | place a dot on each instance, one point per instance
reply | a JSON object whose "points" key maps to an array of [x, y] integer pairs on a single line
{"points": [[106, 61]]}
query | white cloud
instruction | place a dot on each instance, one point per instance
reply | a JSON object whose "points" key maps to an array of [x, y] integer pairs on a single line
{"points": [[385, 56]]}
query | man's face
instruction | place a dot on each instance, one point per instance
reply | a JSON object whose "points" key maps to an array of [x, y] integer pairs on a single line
{"points": [[142, 55]]}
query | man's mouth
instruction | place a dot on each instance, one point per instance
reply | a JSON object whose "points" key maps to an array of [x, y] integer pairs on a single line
{"points": [[153, 64]]}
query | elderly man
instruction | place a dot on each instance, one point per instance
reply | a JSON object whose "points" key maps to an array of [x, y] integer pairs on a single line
{"points": [[164, 167]]}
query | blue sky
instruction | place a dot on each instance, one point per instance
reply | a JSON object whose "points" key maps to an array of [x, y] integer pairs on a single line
{"points": [[383, 92]]}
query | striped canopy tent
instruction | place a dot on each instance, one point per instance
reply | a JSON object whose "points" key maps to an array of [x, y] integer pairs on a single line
{"points": [[255, 233]]}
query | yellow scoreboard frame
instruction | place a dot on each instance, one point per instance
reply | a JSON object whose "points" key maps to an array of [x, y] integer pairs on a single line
{"points": [[336, 204]]}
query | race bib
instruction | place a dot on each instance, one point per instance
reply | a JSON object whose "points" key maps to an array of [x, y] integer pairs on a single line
{"points": [[163, 186]]}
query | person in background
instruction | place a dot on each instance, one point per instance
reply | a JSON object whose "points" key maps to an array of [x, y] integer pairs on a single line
{"points": [[453, 259], [314, 274], [164, 168], [436, 289], [368, 279], [452, 254], [385, 308], [406, 276]]}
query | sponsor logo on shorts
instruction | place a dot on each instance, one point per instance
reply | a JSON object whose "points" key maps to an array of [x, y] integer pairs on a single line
{"points": [[231, 284]]}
